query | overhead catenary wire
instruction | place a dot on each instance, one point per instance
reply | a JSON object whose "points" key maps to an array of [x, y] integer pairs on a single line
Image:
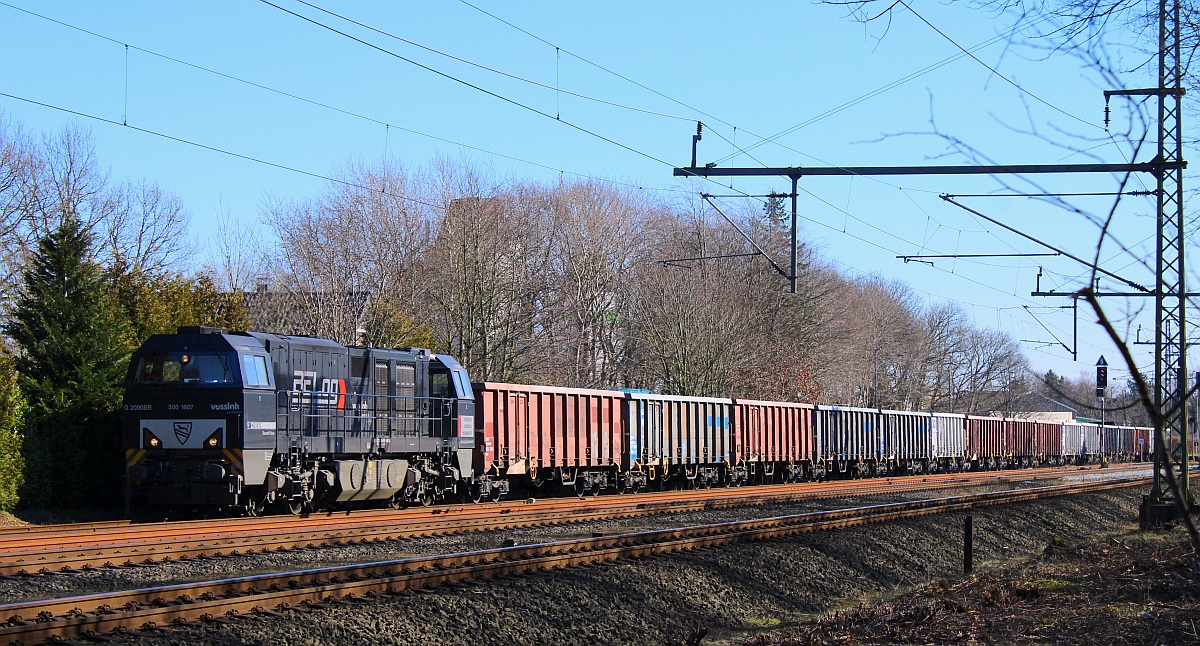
{"points": [[304, 172], [468, 84], [572, 54], [296, 97], [773, 139], [557, 89], [993, 70], [215, 149]]}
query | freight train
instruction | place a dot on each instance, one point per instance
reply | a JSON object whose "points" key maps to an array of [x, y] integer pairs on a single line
{"points": [[247, 422]]}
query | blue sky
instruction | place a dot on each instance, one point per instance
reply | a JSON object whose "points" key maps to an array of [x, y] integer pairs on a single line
{"points": [[850, 95]]}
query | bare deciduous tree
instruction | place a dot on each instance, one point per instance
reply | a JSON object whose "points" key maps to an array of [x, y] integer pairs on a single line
{"points": [[595, 234], [485, 277], [144, 229], [342, 252]]}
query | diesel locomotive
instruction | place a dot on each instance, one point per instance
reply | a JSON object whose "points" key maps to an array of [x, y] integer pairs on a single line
{"points": [[250, 421]]}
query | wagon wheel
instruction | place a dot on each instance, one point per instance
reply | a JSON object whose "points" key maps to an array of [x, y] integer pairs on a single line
{"points": [[580, 487], [477, 494], [494, 494], [426, 496], [296, 506]]}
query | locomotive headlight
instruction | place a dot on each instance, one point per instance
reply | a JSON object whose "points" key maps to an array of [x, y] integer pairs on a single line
{"points": [[214, 440], [149, 440]]}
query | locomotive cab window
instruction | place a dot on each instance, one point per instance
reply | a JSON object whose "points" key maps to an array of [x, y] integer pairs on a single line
{"points": [[450, 384], [463, 383], [255, 372], [198, 368], [439, 384]]}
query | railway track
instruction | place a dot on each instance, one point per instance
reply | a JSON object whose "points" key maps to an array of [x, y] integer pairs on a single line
{"points": [[67, 548], [228, 600]]}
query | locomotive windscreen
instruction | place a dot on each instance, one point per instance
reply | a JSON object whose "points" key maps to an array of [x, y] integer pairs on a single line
{"points": [[202, 368]]}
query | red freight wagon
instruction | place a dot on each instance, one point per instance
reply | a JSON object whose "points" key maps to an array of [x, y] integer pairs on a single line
{"points": [[1029, 443], [772, 441], [1020, 441], [1047, 443], [985, 442], [1143, 443], [536, 434]]}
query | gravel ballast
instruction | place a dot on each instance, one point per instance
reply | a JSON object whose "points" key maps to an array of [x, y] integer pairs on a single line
{"points": [[725, 593]]}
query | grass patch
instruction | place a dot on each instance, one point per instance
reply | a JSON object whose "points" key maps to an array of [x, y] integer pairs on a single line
{"points": [[762, 622]]}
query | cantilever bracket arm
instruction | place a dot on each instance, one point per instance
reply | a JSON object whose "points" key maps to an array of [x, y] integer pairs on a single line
{"points": [[1048, 246]]}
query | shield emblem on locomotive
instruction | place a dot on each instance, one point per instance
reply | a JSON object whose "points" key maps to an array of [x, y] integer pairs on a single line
{"points": [[183, 430]]}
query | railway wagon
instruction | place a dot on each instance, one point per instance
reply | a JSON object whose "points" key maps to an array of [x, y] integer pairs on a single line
{"points": [[908, 442], [772, 442], [1118, 442], [1090, 445], [948, 439], [985, 442], [1029, 443], [1143, 443], [685, 441], [850, 441], [1131, 443], [533, 435], [1072, 442]]}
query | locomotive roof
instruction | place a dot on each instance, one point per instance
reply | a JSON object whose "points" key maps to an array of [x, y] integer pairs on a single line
{"points": [[297, 341], [200, 340]]}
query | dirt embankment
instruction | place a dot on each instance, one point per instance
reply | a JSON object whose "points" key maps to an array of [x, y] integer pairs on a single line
{"points": [[769, 592], [1132, 588]]}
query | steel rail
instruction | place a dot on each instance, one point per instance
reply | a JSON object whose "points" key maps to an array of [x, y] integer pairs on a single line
{"points": [[85, 533], [101, 551], [149, 608], [110, 552]]}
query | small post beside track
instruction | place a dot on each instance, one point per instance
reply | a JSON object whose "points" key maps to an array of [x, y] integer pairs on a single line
{"points": [[968, 547]]}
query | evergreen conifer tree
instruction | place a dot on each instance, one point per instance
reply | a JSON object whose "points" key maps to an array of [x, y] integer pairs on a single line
{"points": [[12, 409], [70, 363]]}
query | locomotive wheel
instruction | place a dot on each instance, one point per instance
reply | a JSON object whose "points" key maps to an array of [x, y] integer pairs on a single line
{"points": [[250, 509], [426, 497], [296, 506]]}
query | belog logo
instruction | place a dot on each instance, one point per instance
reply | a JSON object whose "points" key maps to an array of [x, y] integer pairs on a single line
{"points": [[183, 430]]}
